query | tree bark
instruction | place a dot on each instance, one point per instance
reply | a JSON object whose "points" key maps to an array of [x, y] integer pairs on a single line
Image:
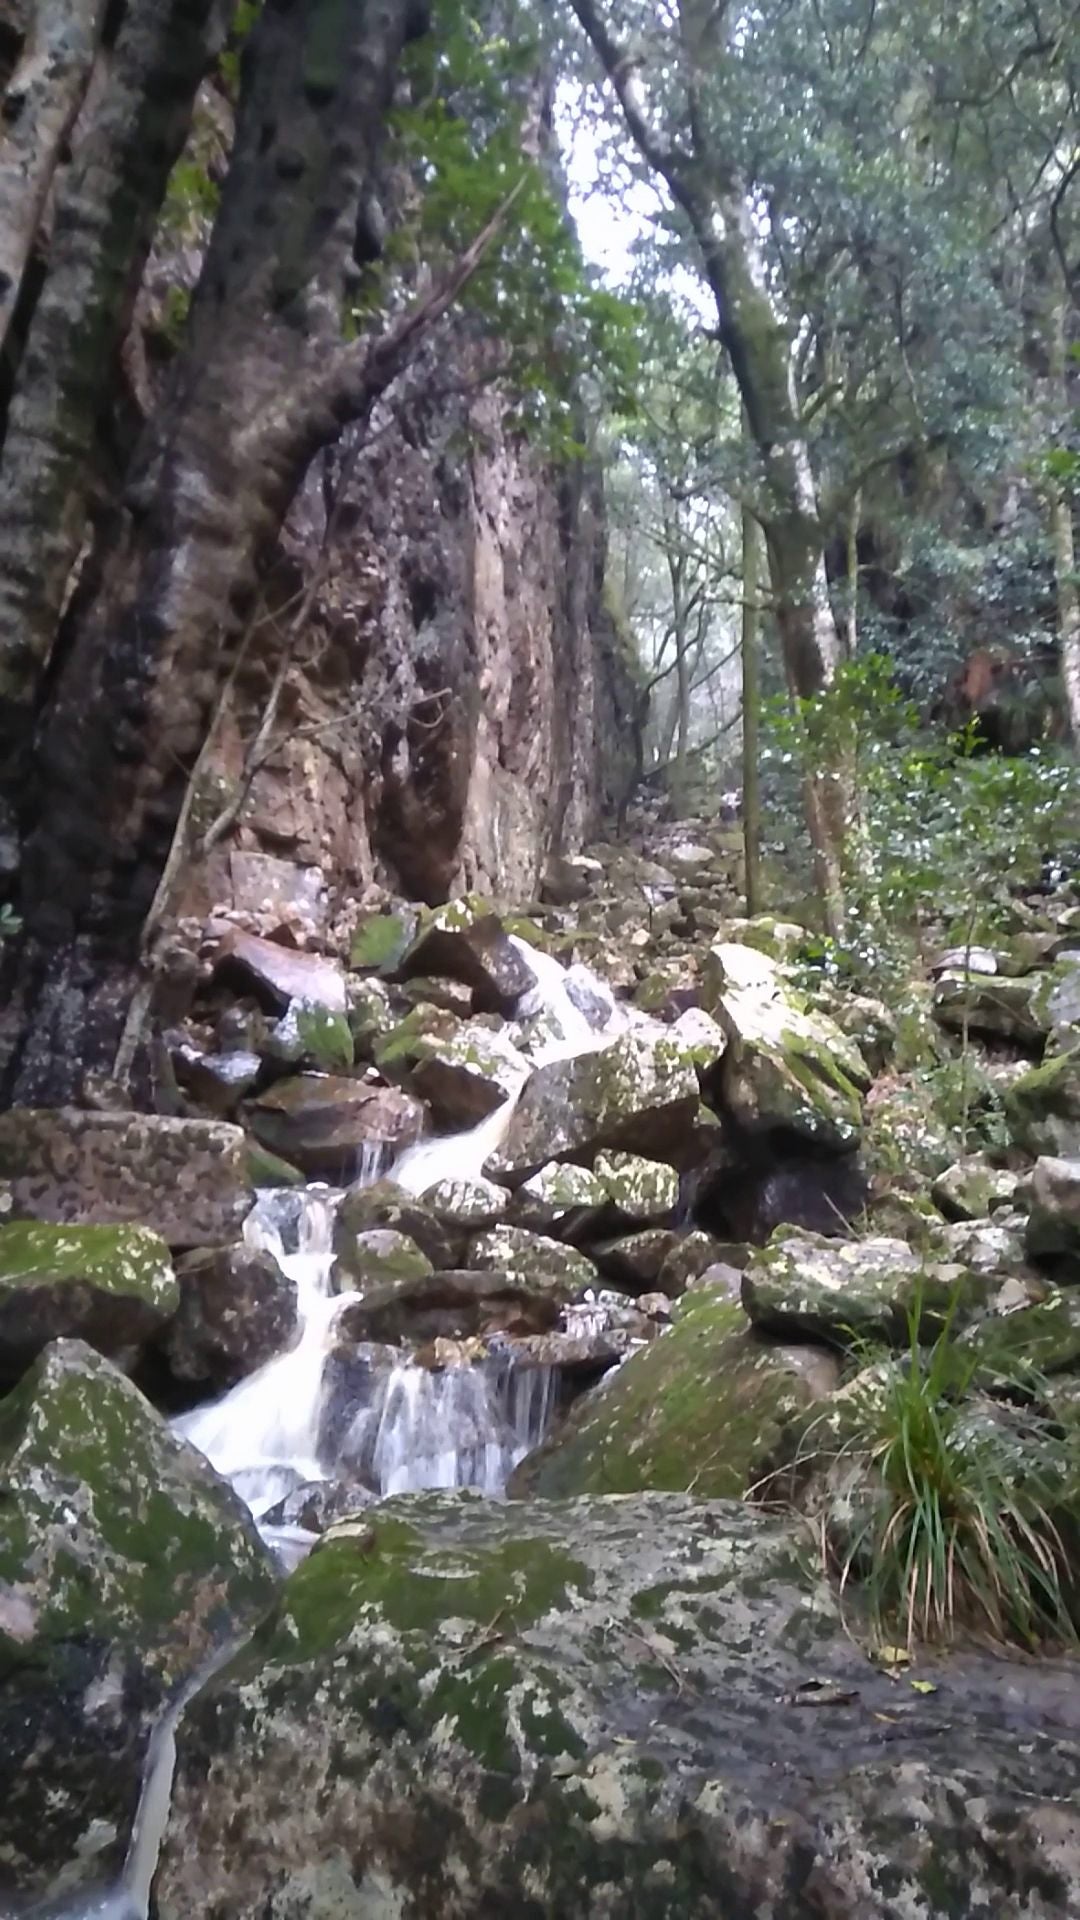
{"points": [[1061, 520], [102, 232], [262, 383], [751, 709]]}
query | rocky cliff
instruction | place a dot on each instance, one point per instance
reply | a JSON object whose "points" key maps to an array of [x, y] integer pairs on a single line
{"points": [[455, 701]]}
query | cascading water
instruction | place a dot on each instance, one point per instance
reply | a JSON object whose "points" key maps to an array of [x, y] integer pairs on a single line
{"points": [[415, 1428]]}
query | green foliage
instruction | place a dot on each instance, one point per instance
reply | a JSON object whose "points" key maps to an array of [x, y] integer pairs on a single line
{"points": [[10, 922], [326, 1037], [961, 1528]]}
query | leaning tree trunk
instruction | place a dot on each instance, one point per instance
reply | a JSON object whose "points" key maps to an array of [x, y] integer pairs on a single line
{"points": [[263, 382], [709, 192], [751, 709], [101, 234]]}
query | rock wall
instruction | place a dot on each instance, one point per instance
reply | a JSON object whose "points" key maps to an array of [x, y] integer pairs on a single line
{"points": [[457, 702]]}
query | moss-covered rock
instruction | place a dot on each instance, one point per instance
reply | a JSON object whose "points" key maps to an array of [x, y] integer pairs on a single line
{"points": [[453, 1304], [237, 1310], [124, 1563], [466, 1205], [1043, 1106], [638, 1189], [634, 1261], [701, 1408], [634, 1708], [1053, 1224], [188, 1179], [380, 941], [386, 1205], [321, 1122], [466, 941], [639, 1094], [111, 1286], [380, 1255], [846, 1291], [787, 1066], [532, 1257], [974, 1187], [558, 1198], [266, 1169], [991, 1003]]}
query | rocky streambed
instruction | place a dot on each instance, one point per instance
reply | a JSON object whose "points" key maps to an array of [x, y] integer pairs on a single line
{"points": [[603, 1207]]}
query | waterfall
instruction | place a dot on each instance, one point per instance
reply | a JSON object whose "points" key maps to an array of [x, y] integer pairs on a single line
{"points": [[467, 1426]]}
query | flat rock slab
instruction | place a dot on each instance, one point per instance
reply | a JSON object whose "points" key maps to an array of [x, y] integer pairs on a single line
{"points": [[607, 1709], [187, 1179], [276, 974]]}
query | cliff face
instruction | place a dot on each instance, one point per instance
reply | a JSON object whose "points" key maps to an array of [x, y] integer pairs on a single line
{"points": [[457, 703]]}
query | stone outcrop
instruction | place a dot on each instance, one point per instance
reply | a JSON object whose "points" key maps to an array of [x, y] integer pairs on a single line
{"points": [[605, 1708]]}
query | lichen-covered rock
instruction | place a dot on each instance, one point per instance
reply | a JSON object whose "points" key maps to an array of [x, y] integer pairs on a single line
{"points": [[187, 1179], [639, 1094], [113, 1287], [124, 1564], [387, 1205], [382, 1254], [701, 1408], [1053, 1225], [638, 1189], [686, 1261], [1043, 1335], [453, 1304], [974, 1187], [545, 1264], [610, 1710], [806, 1287], [237, 1309], [462, 1069], [990, 1003], [786, 1066], [468, 1205], [321, 1122], [465, 939], [636, 1261], [558, 1198]]}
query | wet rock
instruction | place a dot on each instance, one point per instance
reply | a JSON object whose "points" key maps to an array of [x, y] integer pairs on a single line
{"points": [[276, 974], [588, 1351], [544, 1263], [1053, 1225], [466, 1076], [465, 940], [379, 1255], [469, 1205], [124, 1563], [974, 1187], [786, 1067], [187, 1179], [805, 1287], [269, 1169], [640, 1094], [113, 1287], [322, 1122], [636, 1261], [989, 1004], [237, 1310], [319, 1504], [454, 1304], [701, 1407], [216, 1081], [387, 1205], [352, 1375]]}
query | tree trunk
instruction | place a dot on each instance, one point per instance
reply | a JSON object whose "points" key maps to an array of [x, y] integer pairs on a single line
{"points": [[37, 112], [751, 709], [262, 383], [1061, 521], [104, 224]]}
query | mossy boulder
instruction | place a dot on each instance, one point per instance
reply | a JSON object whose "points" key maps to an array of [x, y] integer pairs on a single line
{"points": [[466, 1205], [1006, 1008], [380, 941], [124, 1564], [380, 1255], [187, 1179], [1043, 1106], [635, 1261], [974, 1187], [462, 1069], [453, 1304], [385, 1204], [802, 1286], [787, 1066], [1053, 1224], [111, 1286], [639, 1094], [545, 1264], [558, 1198], [321, 1122], [642, 1707], [700, 1408], [1043, 1337], [638, 1189], [466, 941]]}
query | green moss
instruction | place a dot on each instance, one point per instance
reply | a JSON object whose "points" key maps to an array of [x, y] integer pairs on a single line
{"points": [[266, 1169], [114, 1259], [381, 940]]}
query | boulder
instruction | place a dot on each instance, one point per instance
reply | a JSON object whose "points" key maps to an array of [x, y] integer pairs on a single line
{"points": [[1043, 1335], [379, 1255], [803, 1286], [639, 1094], [558, 1198], [113, 1287], [216, 1081], [380, 941], [467, 1205], [276, 974], [465, 940], [386, 1205], [1042, 1107], [461, 1068], [322, 1122], [371, 1015], [691, 1255], [636, 1261], [643, 1707], [787, 1067], [990, 1003], [637, 1189], [702, 1407], [125, 1564], [187, 1179], [974, 1187], [453, 1304], [237, 1310], [1053, 1225], [545, 1264]]}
